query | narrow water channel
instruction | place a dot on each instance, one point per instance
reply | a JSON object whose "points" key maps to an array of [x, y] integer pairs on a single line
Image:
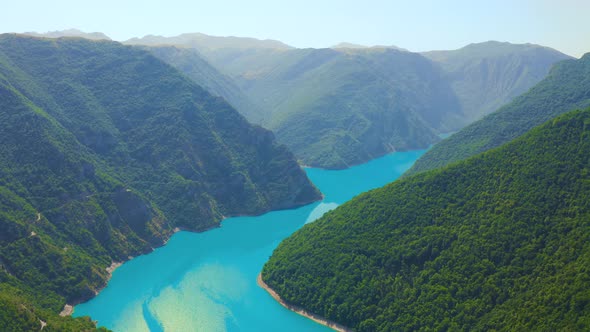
{"points": [[207, 281]]}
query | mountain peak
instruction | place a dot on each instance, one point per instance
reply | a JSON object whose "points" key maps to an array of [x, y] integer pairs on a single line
{"points": [[488, 49], [70, 33], [202, 41], [348, 45]]}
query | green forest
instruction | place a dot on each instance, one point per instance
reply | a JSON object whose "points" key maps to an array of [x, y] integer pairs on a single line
{"points": [[496, 242], [104, 151]]}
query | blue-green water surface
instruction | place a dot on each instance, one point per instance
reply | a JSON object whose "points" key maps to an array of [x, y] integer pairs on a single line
{"points": [[207, 281]]}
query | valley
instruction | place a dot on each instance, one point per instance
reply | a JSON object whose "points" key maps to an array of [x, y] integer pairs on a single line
{"points": [[207, 281], [309, 166]]}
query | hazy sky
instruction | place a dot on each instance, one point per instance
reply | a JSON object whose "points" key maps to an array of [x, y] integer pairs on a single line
{"points": [[412, 24]]}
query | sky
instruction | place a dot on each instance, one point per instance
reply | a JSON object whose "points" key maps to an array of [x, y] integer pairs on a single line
{"points": [[417, 25]]}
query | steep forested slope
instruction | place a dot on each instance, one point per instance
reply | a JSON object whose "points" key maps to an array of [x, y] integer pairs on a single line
{"points": [[486, 76], [339, 108], [565, 88], [104, 150], [191, 63], [496, 242]]}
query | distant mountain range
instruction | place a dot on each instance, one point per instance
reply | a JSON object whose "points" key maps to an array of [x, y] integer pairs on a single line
{"points": [[346, 105], [357, 46], [334, 109], [349, 104], [566, 87], [487, 75], [205, 42], [70, 33]]}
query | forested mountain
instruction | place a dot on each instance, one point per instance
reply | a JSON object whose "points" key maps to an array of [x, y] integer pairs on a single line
{"points": [[496, 242], [191, 63], [565, 88], [335, 108], [346, 105], [486, 76], [104, 151]]}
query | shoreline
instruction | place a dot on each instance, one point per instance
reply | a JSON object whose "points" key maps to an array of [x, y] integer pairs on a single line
{"points": [[68, 309], [298, 310], [112, 268]]}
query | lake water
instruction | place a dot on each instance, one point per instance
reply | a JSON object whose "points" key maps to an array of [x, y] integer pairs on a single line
{"points": [[207, 281]]}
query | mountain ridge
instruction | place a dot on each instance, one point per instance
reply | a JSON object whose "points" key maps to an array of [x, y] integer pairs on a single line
{"points": [[486, 76], [70, 33], [322, 92], [201, 40], [565, 88]]}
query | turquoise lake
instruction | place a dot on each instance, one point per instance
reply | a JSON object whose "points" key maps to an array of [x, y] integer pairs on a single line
{"points": [[207, 281]]}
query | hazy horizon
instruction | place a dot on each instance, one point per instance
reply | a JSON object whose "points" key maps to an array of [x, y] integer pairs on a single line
{"points": [[418, 26]]}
